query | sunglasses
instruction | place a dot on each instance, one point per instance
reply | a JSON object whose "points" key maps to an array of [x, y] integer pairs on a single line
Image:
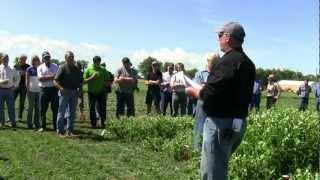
{"points": [[220, 34]]}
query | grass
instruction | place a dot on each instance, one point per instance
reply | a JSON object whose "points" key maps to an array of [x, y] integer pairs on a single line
{"points": [[26, 154]]}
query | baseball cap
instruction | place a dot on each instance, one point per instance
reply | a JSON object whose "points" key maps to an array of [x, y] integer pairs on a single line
{"points": [[154, 63], [126, 60], [234, 29], [46, 54], [96, 59]]}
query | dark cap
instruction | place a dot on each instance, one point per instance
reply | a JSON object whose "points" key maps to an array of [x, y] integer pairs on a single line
{"points": [[234, 29], [126, 60], [45, 54], [96, 59]]}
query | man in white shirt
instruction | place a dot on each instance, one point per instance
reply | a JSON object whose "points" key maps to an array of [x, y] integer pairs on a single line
{"points": [[9, 79], [49, 93]]}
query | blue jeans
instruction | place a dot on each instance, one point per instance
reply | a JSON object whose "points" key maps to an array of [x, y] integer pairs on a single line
{"points": [[219, 142], [255, 102], [191, 105], [6, 95], [166, 99], [318, 104], [67, 102], [34, 106], [200, 117]]}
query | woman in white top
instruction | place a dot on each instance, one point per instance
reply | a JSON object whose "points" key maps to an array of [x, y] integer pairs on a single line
{"points": [[33, 92], [179, 98]]}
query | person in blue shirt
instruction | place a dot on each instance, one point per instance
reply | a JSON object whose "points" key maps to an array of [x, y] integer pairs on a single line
{"points": [[256, 96], [303, 92], [200, 116], [317, 94]]}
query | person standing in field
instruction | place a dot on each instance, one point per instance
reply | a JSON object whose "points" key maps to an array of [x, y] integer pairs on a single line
{"points": [[273, 91], [108, 86], [200, 116], [226, 97], [166, 91], [303, 92], [256, 96], [33, 92], [1, 55], [179, 98], [49, 93], [82, 116], [68, 80], [127, 79], [97, 79], [153, 81], [9, 79], [317, 95], [21, 90]]}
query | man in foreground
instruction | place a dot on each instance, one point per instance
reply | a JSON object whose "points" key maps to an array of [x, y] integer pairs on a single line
{"points": [[226, 97]]}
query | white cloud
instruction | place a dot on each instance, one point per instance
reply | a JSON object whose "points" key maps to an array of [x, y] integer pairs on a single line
{"points": [[16, 44], [189, 59]]}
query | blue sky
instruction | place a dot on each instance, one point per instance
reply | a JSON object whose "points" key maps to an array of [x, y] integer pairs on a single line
{"points": [[280, 34]]}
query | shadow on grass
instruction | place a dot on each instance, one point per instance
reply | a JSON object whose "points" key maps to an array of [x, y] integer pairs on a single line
{"points": [[3, 159], [89, 135]]}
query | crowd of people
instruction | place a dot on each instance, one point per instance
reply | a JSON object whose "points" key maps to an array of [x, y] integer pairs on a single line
{"points": [[227, 91], [273, 92]]}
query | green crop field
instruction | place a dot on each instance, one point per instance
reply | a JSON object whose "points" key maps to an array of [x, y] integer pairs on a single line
{"points": [[279, 141]]}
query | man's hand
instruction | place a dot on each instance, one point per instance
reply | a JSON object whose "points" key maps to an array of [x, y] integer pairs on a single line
{"points": [[63, 91], [4, 82], [94, 76], [192, 92], [237, 124]]}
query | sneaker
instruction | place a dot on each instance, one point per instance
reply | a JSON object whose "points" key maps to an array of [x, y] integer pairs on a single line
{"points": [[70, 134], [61, 135], [12, 125], [41, 130]]}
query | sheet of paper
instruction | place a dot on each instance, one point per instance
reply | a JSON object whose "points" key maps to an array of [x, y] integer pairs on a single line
{"points": [[191, 83]]}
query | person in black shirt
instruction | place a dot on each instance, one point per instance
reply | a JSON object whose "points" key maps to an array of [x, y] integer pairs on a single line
{"points": [[69, 81], [21, 67], [226, 97], [153, 81]]}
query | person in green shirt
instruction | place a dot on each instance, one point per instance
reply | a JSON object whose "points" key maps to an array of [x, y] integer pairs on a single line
{"points": [[98, 79]]}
